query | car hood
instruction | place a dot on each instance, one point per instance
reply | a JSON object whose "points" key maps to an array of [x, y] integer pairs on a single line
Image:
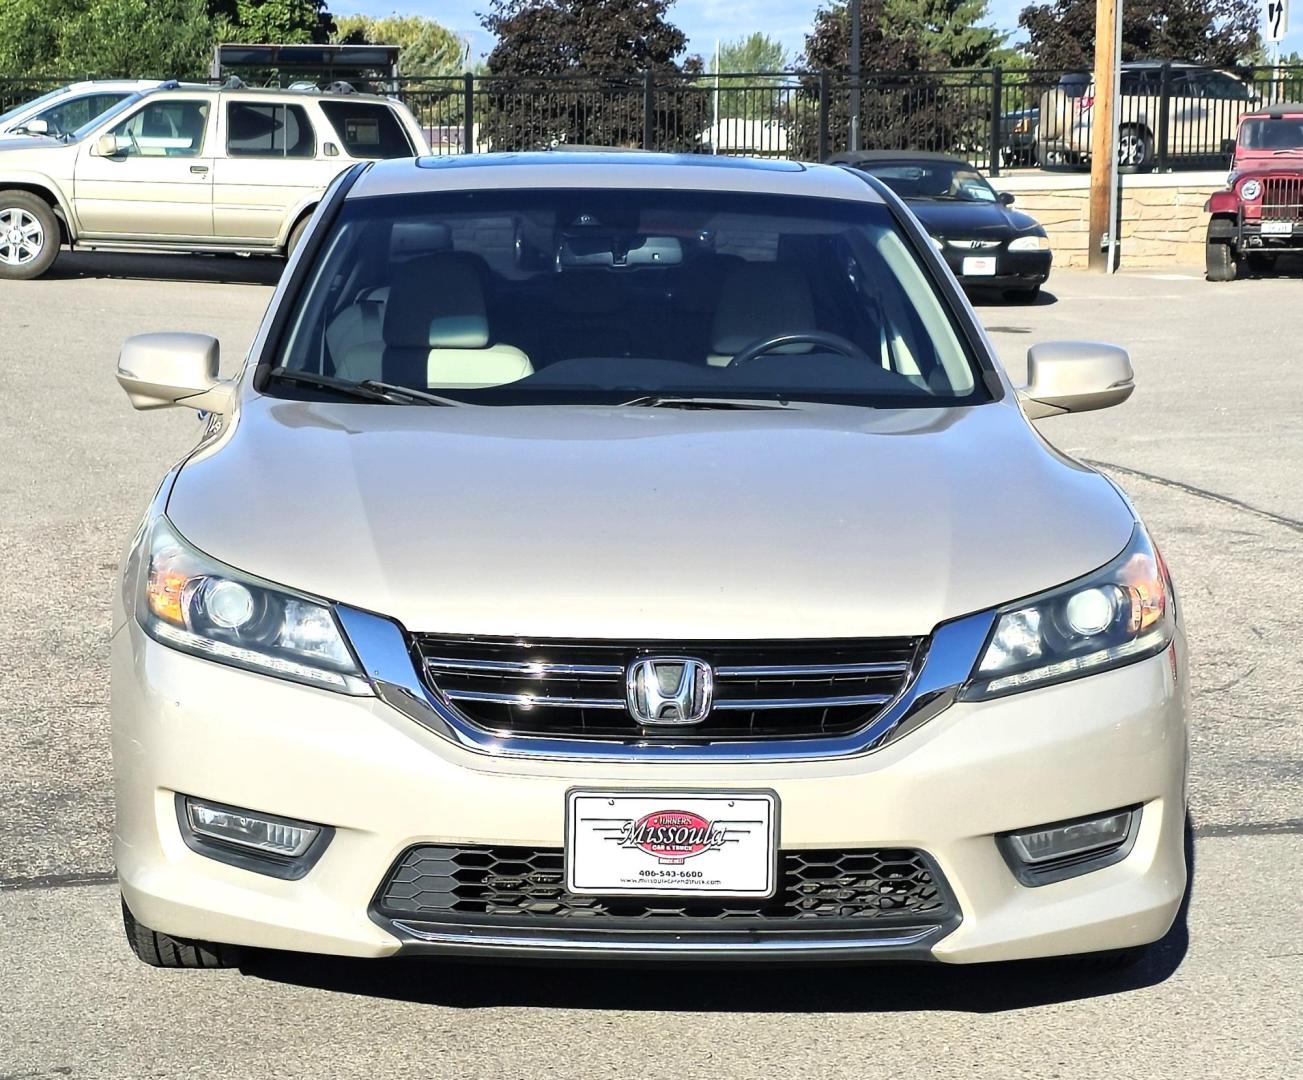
{"points": [[969, 218], [645, 523]]}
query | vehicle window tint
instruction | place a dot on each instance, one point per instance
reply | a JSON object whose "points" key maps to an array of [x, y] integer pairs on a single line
{"points": [[258, 130], [163, 128], [368, 130], [1217, 84], [934, 180], [1074, 83], [72, 114]]}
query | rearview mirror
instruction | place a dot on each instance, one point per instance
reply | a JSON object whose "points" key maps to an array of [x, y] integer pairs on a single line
{"points": [[159, 370], [1075, 376]]}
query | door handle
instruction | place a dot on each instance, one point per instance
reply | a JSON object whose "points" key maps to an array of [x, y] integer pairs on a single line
{"points": [[199, 170]]}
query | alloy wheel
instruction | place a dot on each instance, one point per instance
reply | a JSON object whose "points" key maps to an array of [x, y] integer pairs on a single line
{"points": [[1131, 149], [22, 236]]}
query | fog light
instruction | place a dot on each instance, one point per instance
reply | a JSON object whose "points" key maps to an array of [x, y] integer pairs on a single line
{"points": [[276, 836], [1068, 848]]}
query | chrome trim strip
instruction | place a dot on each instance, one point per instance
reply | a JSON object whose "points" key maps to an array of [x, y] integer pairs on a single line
{"points": [[801, 703], [545, 941], [538, 670], [894, 667], [381, 646], [529, 701]]}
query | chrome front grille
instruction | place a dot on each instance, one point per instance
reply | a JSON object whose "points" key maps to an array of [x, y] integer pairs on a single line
{"points": [[569, 689], [1282, 198]]}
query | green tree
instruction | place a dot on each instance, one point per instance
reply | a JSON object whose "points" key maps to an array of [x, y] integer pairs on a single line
{"points": [[429, 48], [751, 98], [604, 45], [955, 30], [280, 22], [160, 38], [1221, 33]]}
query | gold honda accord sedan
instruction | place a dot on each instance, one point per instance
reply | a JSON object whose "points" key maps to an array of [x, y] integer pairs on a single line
{"points": [[624, 556]]}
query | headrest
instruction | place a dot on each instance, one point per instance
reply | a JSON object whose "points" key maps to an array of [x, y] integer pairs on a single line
{"points": [[437, 302], [408, 239], [761, 300]]}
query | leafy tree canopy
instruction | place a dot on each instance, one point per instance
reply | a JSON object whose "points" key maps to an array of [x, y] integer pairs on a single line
{"points": [[755, 53], [429, 48], [280, 22], [1222, 33], [552, 37], [955, 31]]}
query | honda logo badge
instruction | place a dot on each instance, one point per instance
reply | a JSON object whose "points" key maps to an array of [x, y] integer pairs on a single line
{"points": [[669, 690]]}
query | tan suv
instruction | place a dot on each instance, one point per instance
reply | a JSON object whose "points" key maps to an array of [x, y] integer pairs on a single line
{"points": [[190, 169], [1204, 107]]}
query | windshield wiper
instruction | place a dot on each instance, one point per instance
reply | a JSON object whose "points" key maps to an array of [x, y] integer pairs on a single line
{"points": [[366, 390], [670, 401]]}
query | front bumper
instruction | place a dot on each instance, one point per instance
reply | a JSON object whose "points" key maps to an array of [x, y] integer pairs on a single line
{"points": [[1013, 269], [384, 783]]}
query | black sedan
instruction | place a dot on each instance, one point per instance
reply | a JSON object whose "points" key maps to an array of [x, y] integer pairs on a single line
{"points": [[984, 240]]}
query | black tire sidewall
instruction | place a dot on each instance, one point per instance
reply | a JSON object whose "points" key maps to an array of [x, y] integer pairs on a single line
{"points": [[1220, 261], [40, 209]]}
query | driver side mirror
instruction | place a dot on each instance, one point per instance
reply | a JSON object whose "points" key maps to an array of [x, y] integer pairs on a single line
{"points": [[160, 370], [1075, 376], [1006, 198], [108, 146], [36, 127]]}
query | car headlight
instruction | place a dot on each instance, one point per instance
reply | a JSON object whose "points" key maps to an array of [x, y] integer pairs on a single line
{"points": [[1116, 615], [1250, 189], [1029, 243], [193, 603]]}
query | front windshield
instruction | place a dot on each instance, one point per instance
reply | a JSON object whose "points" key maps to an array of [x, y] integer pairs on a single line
{"points": [[95, 121], [934, 180], [1284, 133], [601, 296], [18, 110]]}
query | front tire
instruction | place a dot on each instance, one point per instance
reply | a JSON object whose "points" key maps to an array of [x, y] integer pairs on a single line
{"points": [[29, 235], [164, 951], [1221, 261]]}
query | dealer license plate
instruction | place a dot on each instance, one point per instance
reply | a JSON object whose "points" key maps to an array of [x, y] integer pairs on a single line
{"points": [[1277, 228], [671, 843], [979, 266]]}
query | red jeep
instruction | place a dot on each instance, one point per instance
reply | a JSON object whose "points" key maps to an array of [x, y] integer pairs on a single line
{"points": [[1260, 214]]}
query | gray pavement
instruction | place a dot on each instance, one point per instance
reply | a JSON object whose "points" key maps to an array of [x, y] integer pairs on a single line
{"points": [[1210, 448]]}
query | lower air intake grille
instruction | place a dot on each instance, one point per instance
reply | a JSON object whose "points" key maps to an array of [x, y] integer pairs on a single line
{"points": [[515, 885]]}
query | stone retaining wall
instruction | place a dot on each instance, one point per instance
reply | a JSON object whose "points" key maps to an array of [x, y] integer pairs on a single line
{"points": [[1163, 220]]}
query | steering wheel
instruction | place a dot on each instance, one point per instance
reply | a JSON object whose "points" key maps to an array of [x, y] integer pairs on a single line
{"points": [[835, 342]]}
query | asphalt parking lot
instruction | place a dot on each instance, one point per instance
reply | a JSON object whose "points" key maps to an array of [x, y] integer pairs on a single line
{"points": [[1210, 448]]}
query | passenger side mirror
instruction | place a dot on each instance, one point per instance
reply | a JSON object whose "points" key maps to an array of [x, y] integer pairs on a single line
{"points": [[1075, 376], [37, 127], [160, 370], [1006, 198]]}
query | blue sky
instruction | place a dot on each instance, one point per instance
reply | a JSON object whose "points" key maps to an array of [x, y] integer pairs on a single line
{"points": [[702, 20]]}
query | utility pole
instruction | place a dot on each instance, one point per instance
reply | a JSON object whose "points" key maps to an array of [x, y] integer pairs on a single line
{"points": [[855, 74], [1103, 134]]}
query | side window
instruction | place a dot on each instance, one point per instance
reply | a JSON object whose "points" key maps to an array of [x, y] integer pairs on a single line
{"points": [[70, 115], [164, 128], [278, 131], [368, 129], [1220, 85]]}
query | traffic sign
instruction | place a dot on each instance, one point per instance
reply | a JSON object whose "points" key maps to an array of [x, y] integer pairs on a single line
{"points": [[1277, 18]]}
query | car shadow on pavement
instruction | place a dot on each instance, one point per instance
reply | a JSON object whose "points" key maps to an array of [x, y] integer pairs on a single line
{"points": [[220, 269], [985, 988], [981, 298]]}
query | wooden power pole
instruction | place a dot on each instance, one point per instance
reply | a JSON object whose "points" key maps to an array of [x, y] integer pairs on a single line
{"points": [[1103, 129]]}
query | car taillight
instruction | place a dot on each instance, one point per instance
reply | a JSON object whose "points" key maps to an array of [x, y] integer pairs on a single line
{"points": [[1085, 102]]}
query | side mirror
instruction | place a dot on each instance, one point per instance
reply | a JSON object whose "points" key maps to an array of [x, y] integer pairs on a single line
{"points": [[107, 146], [1075, 376], [160, 370], [37, 127], [1006, 198]]}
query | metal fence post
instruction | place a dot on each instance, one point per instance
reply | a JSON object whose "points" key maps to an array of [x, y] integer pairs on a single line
{"points": [[1164, 109], [468, 114], [648, 111], [997, 99], [825, 93]]}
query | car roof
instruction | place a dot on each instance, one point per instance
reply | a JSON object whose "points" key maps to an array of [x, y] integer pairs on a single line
{"points": [[1275, 112], [270, 92], [855, 158], [638, 169]]}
